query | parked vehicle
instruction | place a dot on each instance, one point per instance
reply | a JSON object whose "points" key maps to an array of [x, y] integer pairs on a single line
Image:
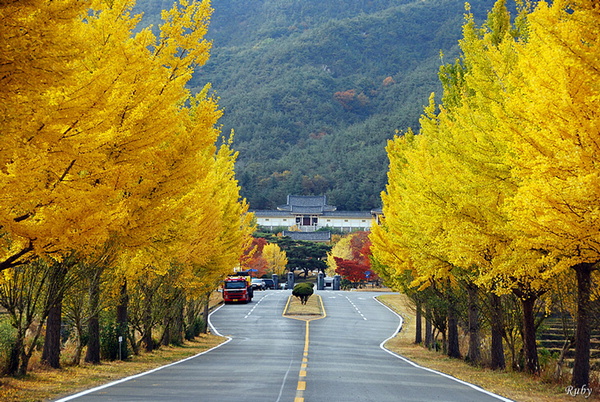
{"points": [[269, 284], [237, 288], [258, 284]]}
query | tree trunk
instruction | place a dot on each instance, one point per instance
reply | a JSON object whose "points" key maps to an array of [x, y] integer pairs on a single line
{"points": [[52, 341], [135, 346], [497, 327], [27, 352], [530, 348], [558, 371], [444, 345], [428, 329], [581, 367], [190, 315], [92, 354], [147, 323], [122, 321], [474, 353], [419, 323], [205, 313], [453, 346], [24, 361], [12, 366], [165, 339], [178, 327], [93, 345], [514, 360], [79, 346]]}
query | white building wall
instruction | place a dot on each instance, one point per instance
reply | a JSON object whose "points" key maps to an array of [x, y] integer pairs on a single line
{"points": [[272, 222], [343, 223]]}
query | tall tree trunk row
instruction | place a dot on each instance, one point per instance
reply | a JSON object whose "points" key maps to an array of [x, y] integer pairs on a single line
{"points": [[497, 328], [474, 353], [529, 342], [581, 366]]}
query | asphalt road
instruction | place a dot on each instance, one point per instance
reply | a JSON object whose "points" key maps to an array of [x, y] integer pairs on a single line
{"points": [[272, 358]]}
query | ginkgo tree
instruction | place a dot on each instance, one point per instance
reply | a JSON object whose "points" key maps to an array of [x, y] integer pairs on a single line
{"points": [[498, 188], [276, 259], [558, 97], [104, 139], [36, 41], [103, 143], [464, 173], [447, 186]]}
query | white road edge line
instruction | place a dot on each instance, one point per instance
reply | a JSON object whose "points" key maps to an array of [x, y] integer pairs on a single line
{"points": [[110, 384], [381, 345]]}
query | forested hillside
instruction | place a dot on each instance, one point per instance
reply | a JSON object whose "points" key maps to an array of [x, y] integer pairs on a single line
{"points": [[315, 88]]}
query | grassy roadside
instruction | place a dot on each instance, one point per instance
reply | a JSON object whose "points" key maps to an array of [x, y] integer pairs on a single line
{"points": [[44, 384], [513, 385]]}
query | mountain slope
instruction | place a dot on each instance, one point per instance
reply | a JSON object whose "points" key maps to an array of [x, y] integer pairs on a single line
{"points": [[315, 88]]}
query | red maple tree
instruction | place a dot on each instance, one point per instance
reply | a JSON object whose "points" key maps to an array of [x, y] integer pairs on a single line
{"points": [[253, 260], [357, 269]]}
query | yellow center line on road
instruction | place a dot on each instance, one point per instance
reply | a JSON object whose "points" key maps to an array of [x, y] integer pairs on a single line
{"points": [[303, 367]]}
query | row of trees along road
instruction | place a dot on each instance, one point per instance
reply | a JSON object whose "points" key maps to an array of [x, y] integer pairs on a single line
{"points": [[499, 191], [114, 188]]}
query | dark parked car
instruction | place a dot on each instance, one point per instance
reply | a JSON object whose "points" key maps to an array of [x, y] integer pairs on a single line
{"points": [[269, 283]]}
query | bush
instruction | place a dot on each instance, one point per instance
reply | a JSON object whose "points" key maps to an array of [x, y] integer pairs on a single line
{"points": [[545, 356], [194, 329], [109, 340], [7, 341], [303, 291]]}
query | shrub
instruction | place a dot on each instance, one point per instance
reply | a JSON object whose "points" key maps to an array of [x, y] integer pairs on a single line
{"points": [[303, 291], [194, 329], [7, 341], [109, 340]]}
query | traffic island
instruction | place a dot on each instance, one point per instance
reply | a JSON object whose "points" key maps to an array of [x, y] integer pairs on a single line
{"points": [[312, 310]]}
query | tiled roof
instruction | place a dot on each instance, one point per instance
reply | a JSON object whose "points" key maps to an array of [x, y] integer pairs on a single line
{"points": [[306, 204], [306, 210], [313, 205], [348, 214], [270, 212]]}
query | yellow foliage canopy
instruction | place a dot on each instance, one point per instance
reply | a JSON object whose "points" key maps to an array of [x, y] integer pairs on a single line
{"points": [[102, 140], [501, 180]]}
